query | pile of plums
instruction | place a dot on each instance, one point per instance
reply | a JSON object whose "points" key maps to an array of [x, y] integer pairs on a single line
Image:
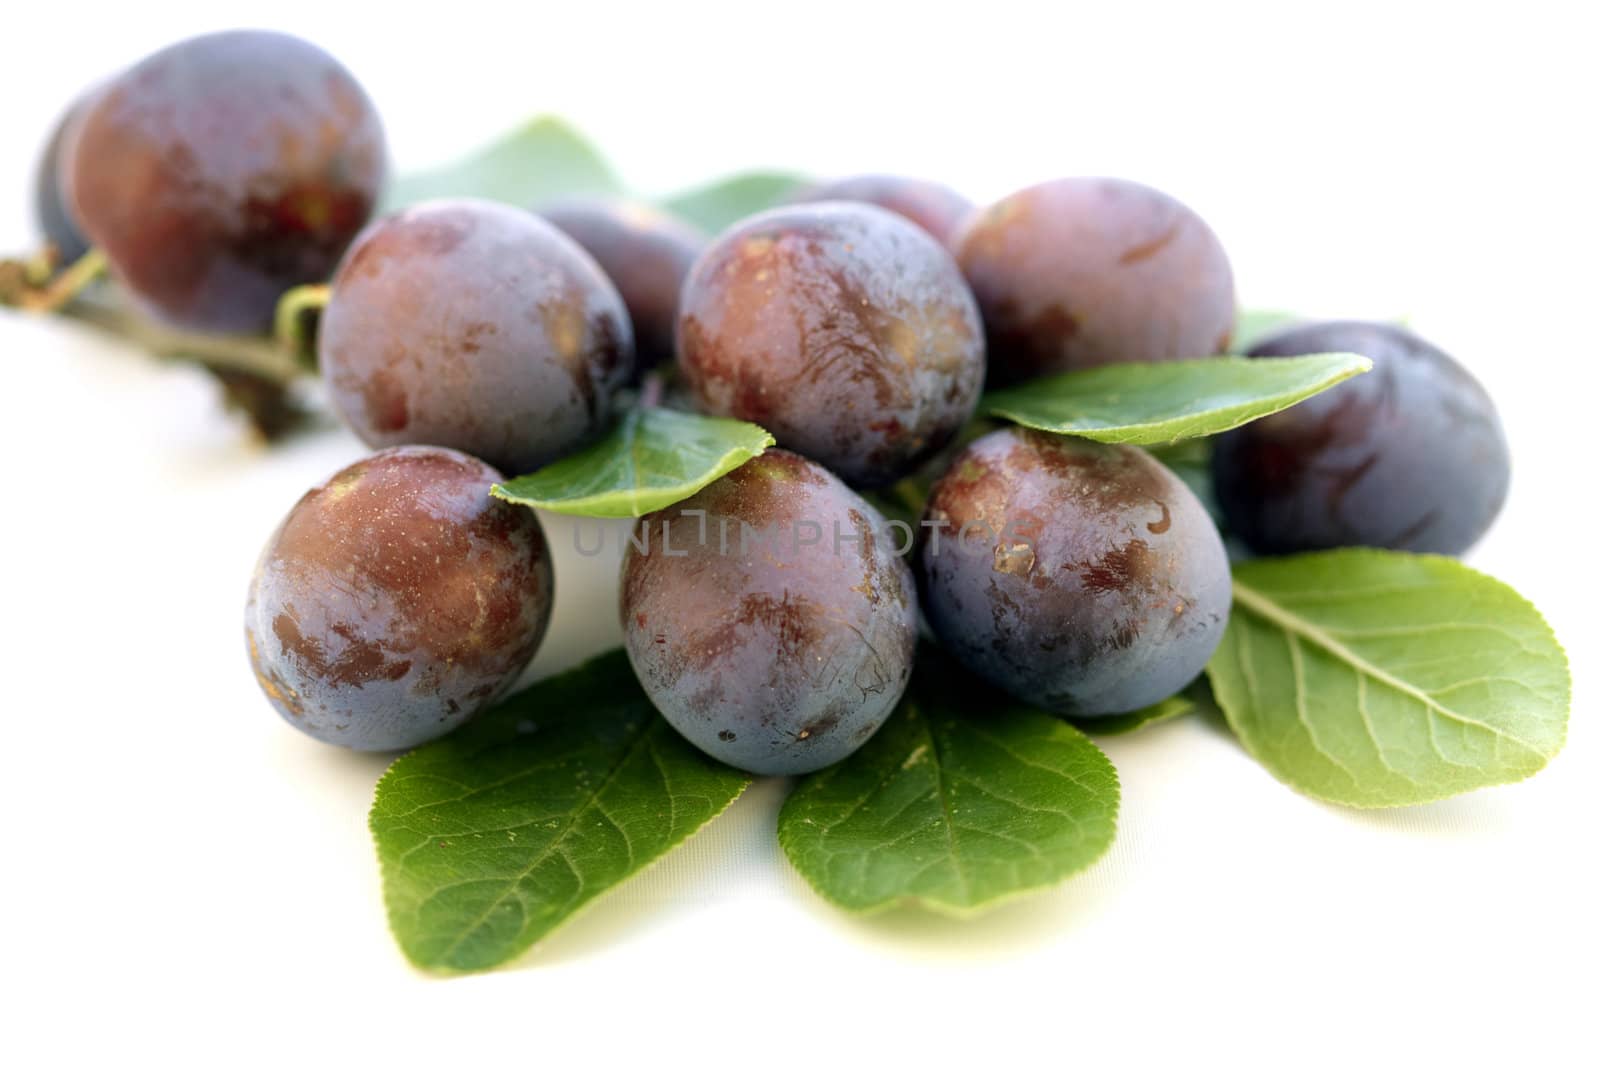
{"points": [[773, 616]]}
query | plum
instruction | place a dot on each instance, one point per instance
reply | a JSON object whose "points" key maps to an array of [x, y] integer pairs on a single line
{"points": [[1410, 455], [1081, 272], [769, 617], [645, 252], [223, 170], [937, 208], [1081, 577], [843, 329], [397, 599], [475, 326], [55, 218]]}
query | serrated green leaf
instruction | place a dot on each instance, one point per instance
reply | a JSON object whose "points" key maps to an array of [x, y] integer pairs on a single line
{"points": [[651, 458], [1378, 679], [491, 837], [1252, 326], [543, 159], [717, 206], [963, 798], [1160, 403], [1106, 725]]}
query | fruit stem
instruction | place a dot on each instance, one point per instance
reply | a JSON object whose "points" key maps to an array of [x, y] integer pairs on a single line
{"points": [[257, 356], [651, 390], [295, 323], [67, 285]]}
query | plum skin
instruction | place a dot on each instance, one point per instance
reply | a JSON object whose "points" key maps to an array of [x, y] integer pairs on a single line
{"points": [[223, 170], [937, 208], [1090, 581], [1082, 272], [646, 253], [843, 329], [770, 654], [1410, 455], [55, 218], [474, 326], [396, 600]]}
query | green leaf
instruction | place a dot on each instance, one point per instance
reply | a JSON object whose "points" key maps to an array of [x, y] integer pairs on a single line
{"points": [[491, 837], [963, 798], [719, 205], [1159, 403], [1377, 679], [651, 458], [544, 158], [1128, 722], [1252, 326]]}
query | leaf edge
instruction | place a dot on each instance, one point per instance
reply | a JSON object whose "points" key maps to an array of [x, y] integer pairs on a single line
{"points": [[1448, 562], [596, 505], [945, 909], [522, 952], [1131, 434]]}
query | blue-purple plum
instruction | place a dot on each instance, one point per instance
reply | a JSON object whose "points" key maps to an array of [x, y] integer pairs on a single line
{"points": [[223, 170], [1410, 455], [646, 253], [843, 329], [397, 599], [937, 208], [475, 326], [54, 216], [1081, 577], [769, 617], [1082, 272]]}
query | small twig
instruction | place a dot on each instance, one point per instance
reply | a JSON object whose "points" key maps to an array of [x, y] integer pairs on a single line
{"points": [[67, 285], [651, 390], [32, 285], [272, 408], [294, 325], [37, 271], [258, 356]]}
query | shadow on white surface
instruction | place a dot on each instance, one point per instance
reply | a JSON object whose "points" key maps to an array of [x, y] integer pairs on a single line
{"points": [[693, 879], [1485, 813], [1011, 928], [338, 777], [737, 857]]}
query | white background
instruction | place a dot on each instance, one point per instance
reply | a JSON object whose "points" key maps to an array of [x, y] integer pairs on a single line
{"points": [[181, 873]]}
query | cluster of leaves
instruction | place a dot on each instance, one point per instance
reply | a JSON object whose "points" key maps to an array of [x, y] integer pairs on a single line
{"points": [[1359, 677], [546, 159]]}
